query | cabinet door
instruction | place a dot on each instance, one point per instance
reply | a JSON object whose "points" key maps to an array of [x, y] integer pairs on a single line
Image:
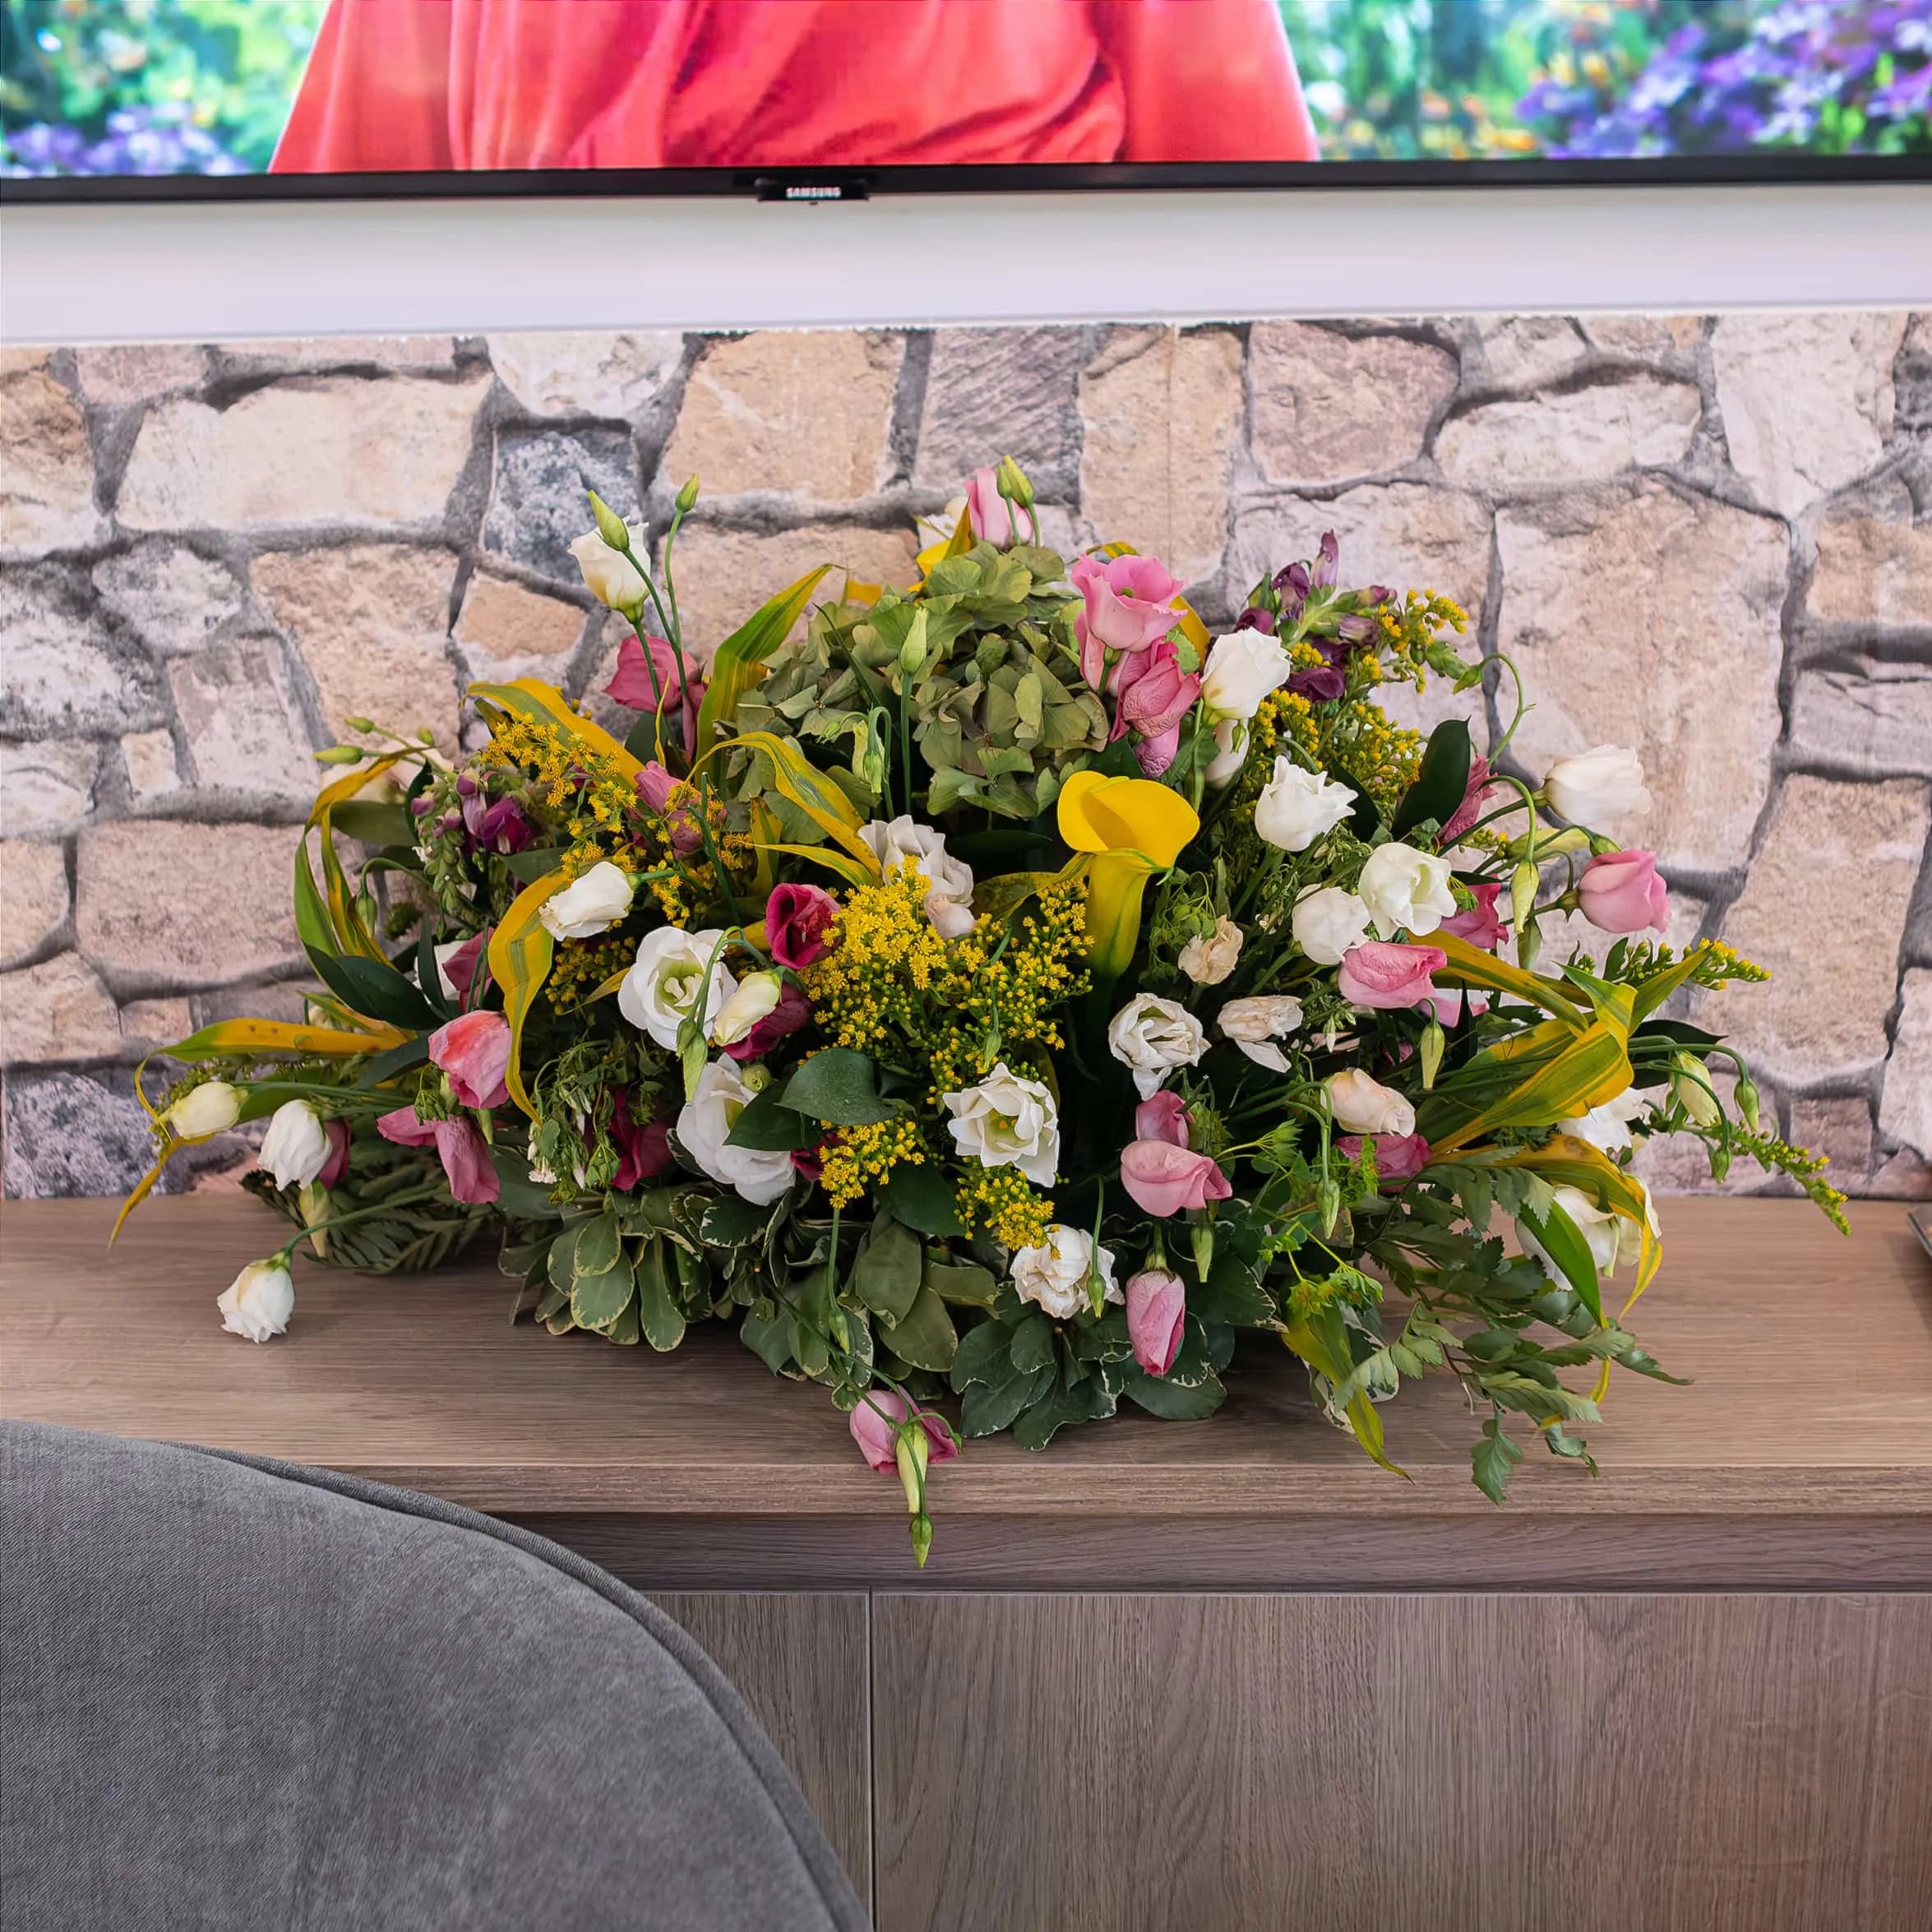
{"points": [[1423, 1763]]}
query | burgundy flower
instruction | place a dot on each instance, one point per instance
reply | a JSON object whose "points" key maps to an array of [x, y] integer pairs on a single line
{"points": [[654, 787], [797, 919], [1321, 684], [791, 1012], [333, 1169], [643, 1148], [1471, 809], [503, 828], [1254, 617], [651, 682]]}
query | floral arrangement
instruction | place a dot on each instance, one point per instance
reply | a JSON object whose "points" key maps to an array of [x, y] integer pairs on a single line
{"points": [[768, 1013]]}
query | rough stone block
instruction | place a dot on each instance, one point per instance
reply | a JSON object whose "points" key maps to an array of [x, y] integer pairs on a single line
{"points": [[303, 354], [1871, 572], [1578, 435], [372, 622], [807, 412], [589, 374], [1823, 908], [508, 631], [153, 771], [173, 600], [381, 454], [1841, 1131], [137, 372], [47, 787], [33, 896], [1002, 392], [180, 905], [1640, 616], [538, 505], [56, 1011], [148, 1025], [242, 722], [1328, 406], [47, 479], [1519, 352], [61, 670], [1806, 399], [1879, 726], [1654, 338], [1905, 1106], [1162, 415]]}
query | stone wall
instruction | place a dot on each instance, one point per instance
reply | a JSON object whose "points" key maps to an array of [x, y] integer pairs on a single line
{"points": [[1708, 536]]}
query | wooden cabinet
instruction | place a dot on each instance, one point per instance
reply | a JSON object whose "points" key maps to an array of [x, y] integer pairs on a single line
{"points": [[1202, 1676]]}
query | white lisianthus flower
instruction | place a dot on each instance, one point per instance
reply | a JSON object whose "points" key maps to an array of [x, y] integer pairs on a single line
{"points": [[1254, 1025], [1297, 806], [1327, 922], [660, 991], [258, 1302], [756, 999], [1364, 1105], [948, 880], [589, 905], [1591, 787], [213, 1107], [1607, 1127], [1152, 1036], [705, 1122], [1241, 669], [1055, 1276], [295, 1148], [1230, 753], [1209, 961], [611, 575], [1406, 889], [1612, 1238], [1007, 1120]]}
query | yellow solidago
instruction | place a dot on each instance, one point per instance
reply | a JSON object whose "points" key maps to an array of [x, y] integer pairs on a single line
{"points": [[862, 1157], [582, 965], [884, 957], [598, 803], [1003, 1203]]}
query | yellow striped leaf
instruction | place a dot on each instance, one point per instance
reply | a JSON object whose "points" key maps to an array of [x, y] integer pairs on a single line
{"points": [[544, 704], [1592, 1068], [520, 951], [246, 1039], [740, 660], [1470, 966]]}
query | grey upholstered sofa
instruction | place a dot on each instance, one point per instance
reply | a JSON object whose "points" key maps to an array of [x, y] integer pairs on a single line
{"points": [[240, 1694]]}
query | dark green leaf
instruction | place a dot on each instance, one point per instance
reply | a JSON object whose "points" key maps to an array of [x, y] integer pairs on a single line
{"points": [[1161, 1397], [985, 1355], [836, 1086], [539, 863], [598, 1300], [1032, 1343], [373, 823], [516, 1193], [886, 1274], [772, 1338], [769, 1125], [920, 1198], [1085, 1401], [1441, 781], [397, 1059], [375, 989], [1491, 1457], [986, 1410], [597, 1246], [925, 1337], [658, 1316], [1570, 1252], [1230, 1294], [964, 1283], [731, 1221]]}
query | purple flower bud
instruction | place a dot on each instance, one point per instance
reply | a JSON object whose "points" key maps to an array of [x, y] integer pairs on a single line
{"points": [[1254, 618], [423, 806], [465, 785]]}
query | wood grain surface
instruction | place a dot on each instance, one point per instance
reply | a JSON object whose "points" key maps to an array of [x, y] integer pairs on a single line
{"points": [[1662, 1763], [1813, 1356]]}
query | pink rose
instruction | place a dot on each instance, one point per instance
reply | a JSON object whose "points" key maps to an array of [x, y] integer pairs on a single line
{"points": [[1398, 1156], [1623, 892], [651, 682], [1155, 755], [654, 787], [1474, 794], [796, 918], [1163, 1179], [1392, 976], [1152, 694], [991, 514], [1129, 604], [474, 1050], [1480, 925], [336, 1167], [791, 1013], [1162, 1116], [1157, 1318], [461, 968], [464, 1153], [877, 1436]]}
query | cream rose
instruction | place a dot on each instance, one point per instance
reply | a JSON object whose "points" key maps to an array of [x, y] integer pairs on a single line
{"points": [[213, 1107], [612, 577], [704, 1124], [295, 1148], [1406, 889], [1297, 806], [1007, 1120], [1055, 1276], [1327, 921], [589, 905], [948, 880], [258, 1302], [1153, 1036], [1593, 787], [756, 999], [1254, 1025], [1612, 1238], [1364, 1105], [1230, 751], [1207, 961], [660, 991], [1242, 668]]}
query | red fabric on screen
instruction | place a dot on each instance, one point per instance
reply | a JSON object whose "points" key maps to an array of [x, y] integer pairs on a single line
{"points": [[405, 85]]}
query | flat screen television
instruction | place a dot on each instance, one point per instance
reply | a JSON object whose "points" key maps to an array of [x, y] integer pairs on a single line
{"points": [[822, 99]]}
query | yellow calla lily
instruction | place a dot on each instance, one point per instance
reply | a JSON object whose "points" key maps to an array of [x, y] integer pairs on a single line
{"points": [[1133, 828]]}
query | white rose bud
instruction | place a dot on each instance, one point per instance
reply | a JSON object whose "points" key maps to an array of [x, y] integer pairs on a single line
{"points": [[1152, 1036], [1327, 921], [295, 1148], [1297, 806], [1592, 788], [1611, 1238], [589, 905], [1008, 1121], [1363, 1106], [612, 577], [213, 1107], [1242, 668], [1406, 888], [1055, 1276], [1209, 961], [705, 1122], [1254, 1025], [1607, 1127], [756, 999], [258, 1302], [660, 991], [1230, 753], [948, 880]]}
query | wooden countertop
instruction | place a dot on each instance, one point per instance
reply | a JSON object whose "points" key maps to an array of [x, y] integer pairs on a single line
{"points": [[1812, 1355]]}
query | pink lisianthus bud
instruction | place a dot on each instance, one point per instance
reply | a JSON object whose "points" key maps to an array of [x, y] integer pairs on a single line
{"points": [[335, 1168], [1152, 694], [474, 1050], [1164, 1179], [1162, 1116], [991, 514], [1127, 604], [1474, 794], [463, 969], [797, 919], [1624, 892], [1480, 926], [654, 786], [876, 1433], [1398, 1156], [1155, 755], [653, 682], [1157, 1318], [464, 1153], [1391, 977], [644, 1147], [791, 1013]]}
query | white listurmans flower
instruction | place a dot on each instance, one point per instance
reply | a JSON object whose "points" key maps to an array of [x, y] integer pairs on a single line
{"points": [[948, 880], [611, 575], [1364, 1105], [295, 1148], [1607, 1126], [258, 1302], [660, 991], [1591, 787], [1241, 669], [1007, 1120], [705, 1124], [1230, 751], [1327, 921], [589, 905], [1297, 806], [1254, 1025], [756, 999], [1207, 961], [1612, 1238], [1153, 1036], [1056, 1276], [1406, 889], [213, 1107]]}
